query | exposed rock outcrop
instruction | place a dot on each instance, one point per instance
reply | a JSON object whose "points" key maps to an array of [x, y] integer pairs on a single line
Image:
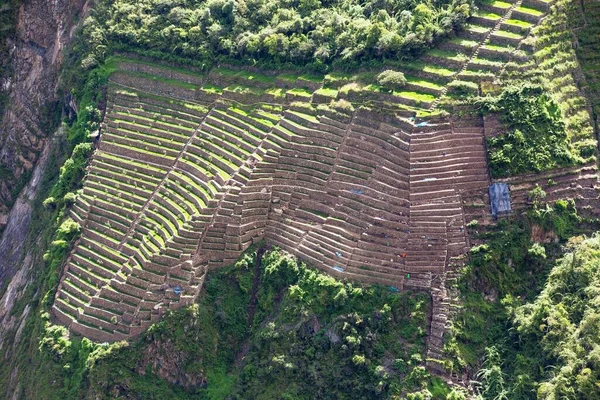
{"points": [[43, 30]]}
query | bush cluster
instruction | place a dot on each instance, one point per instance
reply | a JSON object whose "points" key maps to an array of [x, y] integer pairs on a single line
{"points": [[301, 32], [536, 139]]}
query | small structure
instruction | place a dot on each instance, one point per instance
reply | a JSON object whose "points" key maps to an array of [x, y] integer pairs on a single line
{"points": [[499, 199]]}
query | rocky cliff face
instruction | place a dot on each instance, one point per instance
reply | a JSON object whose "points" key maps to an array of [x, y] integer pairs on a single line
{"points": [[44, 27]]}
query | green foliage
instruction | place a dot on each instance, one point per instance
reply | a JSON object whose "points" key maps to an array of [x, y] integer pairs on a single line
{"points": [[560, 217], [57, 252], [491, 377], [462, 88], [391, 80], [564, 320], [304, 32], [456, 394], [537, 250], [69, 199], [305, 322], [50, 203], [72, 172], [536, 140], [537, 194], [501, 267]]}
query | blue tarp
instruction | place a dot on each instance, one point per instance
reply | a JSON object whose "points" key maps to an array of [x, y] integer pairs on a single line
{"points": [[338, 268], [356, 191], [499, 199], [177, 290]]}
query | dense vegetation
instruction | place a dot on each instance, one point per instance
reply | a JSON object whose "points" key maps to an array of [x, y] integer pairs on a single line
{"points": [[536, 139], [271, 331], [299, 32], [562, 324], [517, 337]]}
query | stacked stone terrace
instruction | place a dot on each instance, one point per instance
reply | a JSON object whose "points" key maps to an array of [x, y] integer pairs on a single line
{"points": [[192, 170], [177, 187]]}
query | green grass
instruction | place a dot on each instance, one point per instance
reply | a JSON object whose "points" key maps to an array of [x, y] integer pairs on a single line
{"points": [[477, 28], [169, 81], [243, 74], [485, 61], [487, 15], [501, 4], [416, 96], [288, 77], [424, 83], [507, 34], [212, 89], [327, 92], [244, 89], [530, 11], [448, 55], [300, 92], [276, 92], [518, 22], [117, 59], [465, 42], [430, 68], [502, 49], [311, 78]]}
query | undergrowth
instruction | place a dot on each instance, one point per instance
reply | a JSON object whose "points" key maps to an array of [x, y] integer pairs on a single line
{"points": [[311, 336]]}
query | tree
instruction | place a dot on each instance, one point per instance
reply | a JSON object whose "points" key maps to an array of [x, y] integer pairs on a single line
{"points": [[391, 80]]}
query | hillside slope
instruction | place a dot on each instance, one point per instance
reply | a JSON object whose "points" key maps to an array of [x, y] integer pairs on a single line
{"points": [[187, 165]]}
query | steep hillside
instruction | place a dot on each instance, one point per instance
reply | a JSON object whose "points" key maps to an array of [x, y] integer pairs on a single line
{"points": [[292, 201], [42, 31]]}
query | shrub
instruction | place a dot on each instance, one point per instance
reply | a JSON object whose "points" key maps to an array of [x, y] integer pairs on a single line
{"points": [[463, 88], [473, 224], [49, 203], [537, 250], [391, 80], [536, 194], [342, 104], [69, 199], [73, 170], [536, 140]]}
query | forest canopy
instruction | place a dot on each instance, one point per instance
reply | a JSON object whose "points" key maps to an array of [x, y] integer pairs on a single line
{"points": [[302, 32]]}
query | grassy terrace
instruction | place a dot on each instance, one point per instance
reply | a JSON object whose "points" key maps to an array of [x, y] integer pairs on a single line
{"points": [[169, 81], [530, 11], [488, 15], [166, 205], [519, 23], [246, 76], [507, 34]]}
